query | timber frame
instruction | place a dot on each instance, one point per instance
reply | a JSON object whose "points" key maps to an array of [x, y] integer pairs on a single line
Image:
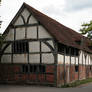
{"points": [[63, 68]]}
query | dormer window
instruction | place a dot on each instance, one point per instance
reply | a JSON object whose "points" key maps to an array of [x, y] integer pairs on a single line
{"points": [[78, 42]]}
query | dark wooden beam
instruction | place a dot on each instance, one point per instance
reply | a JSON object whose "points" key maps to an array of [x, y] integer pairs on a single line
{"points": [[70, 65], [55, 60], [28, 18], [64, 66], [37, 32], [78, 69], [26, 25], [82, 60], [30, 40], [23, 19], [40, 47]]}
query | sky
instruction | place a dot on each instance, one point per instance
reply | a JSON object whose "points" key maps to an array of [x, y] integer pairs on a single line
{"points": [[71, 13]]}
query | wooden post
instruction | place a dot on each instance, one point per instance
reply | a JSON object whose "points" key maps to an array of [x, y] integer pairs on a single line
{"points": [[55, 61], [64, 66], [70, 64], [28, 79], [75, 61], [78, 69], [82, 60], [88, 66], [85, 68]]}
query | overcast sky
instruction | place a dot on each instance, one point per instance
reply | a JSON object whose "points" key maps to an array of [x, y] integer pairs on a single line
{"points": [[71, 13]]}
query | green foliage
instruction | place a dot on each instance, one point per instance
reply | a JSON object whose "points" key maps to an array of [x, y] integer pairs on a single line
{"points": [[77, 83], [87, 29]]}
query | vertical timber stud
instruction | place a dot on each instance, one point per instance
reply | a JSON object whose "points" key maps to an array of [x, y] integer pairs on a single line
{"points": [[12, 53], [40, 53], [55, 61], [25, 32], [28, 79], [82, 60], [64, 66], [75, 61], [70, 65], [88, 65], [14, 33], [85, 67], [37, 32], [78, 68], [13, 44]]}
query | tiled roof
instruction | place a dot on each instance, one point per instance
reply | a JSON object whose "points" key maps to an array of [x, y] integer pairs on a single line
{"points": [[60, 32]]}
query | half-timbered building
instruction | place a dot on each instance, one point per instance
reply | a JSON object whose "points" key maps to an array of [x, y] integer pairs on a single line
{"points": [[39, 50]]}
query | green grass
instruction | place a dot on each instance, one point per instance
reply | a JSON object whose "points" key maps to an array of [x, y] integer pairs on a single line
{"points": [[77, 83]]}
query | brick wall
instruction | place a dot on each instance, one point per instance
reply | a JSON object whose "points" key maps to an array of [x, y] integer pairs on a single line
{"points": [[13, 73]]}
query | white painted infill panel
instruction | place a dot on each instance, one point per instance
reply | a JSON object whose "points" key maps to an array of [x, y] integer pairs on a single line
{"points": [[20, 33], [51, 43], [19, 21], [45, 48], [67, 59], [87, 62], [8, 49], [80, 57], [10, 35], [47, 58], [32, 20], [32, 32], [20, 58], [43, 33], [72, 60], [76, 61], [34, 58], [25, 14], [6, 59], [90, 59], [60, 59], [34, 46]]}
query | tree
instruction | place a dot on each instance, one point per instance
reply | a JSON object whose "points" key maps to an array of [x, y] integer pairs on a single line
{"points": [[0, 16], [87, 29]]}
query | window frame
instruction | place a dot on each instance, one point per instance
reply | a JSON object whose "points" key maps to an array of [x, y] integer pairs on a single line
{"points": [[20, 47], [76, 68]]}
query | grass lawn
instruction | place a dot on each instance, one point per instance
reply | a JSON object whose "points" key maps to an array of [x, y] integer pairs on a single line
{"points": [[77, 83]]}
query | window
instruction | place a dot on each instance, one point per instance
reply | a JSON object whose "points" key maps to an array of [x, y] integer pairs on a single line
{"points": [[25, 68], [37, 68], [90, 68], [33, 68], [42, 69], [76, 68], [78, 42], [20, 47]]}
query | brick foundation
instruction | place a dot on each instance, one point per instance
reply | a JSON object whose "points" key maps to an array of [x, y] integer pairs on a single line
{"points": [[12, 72], [71, 75]]}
